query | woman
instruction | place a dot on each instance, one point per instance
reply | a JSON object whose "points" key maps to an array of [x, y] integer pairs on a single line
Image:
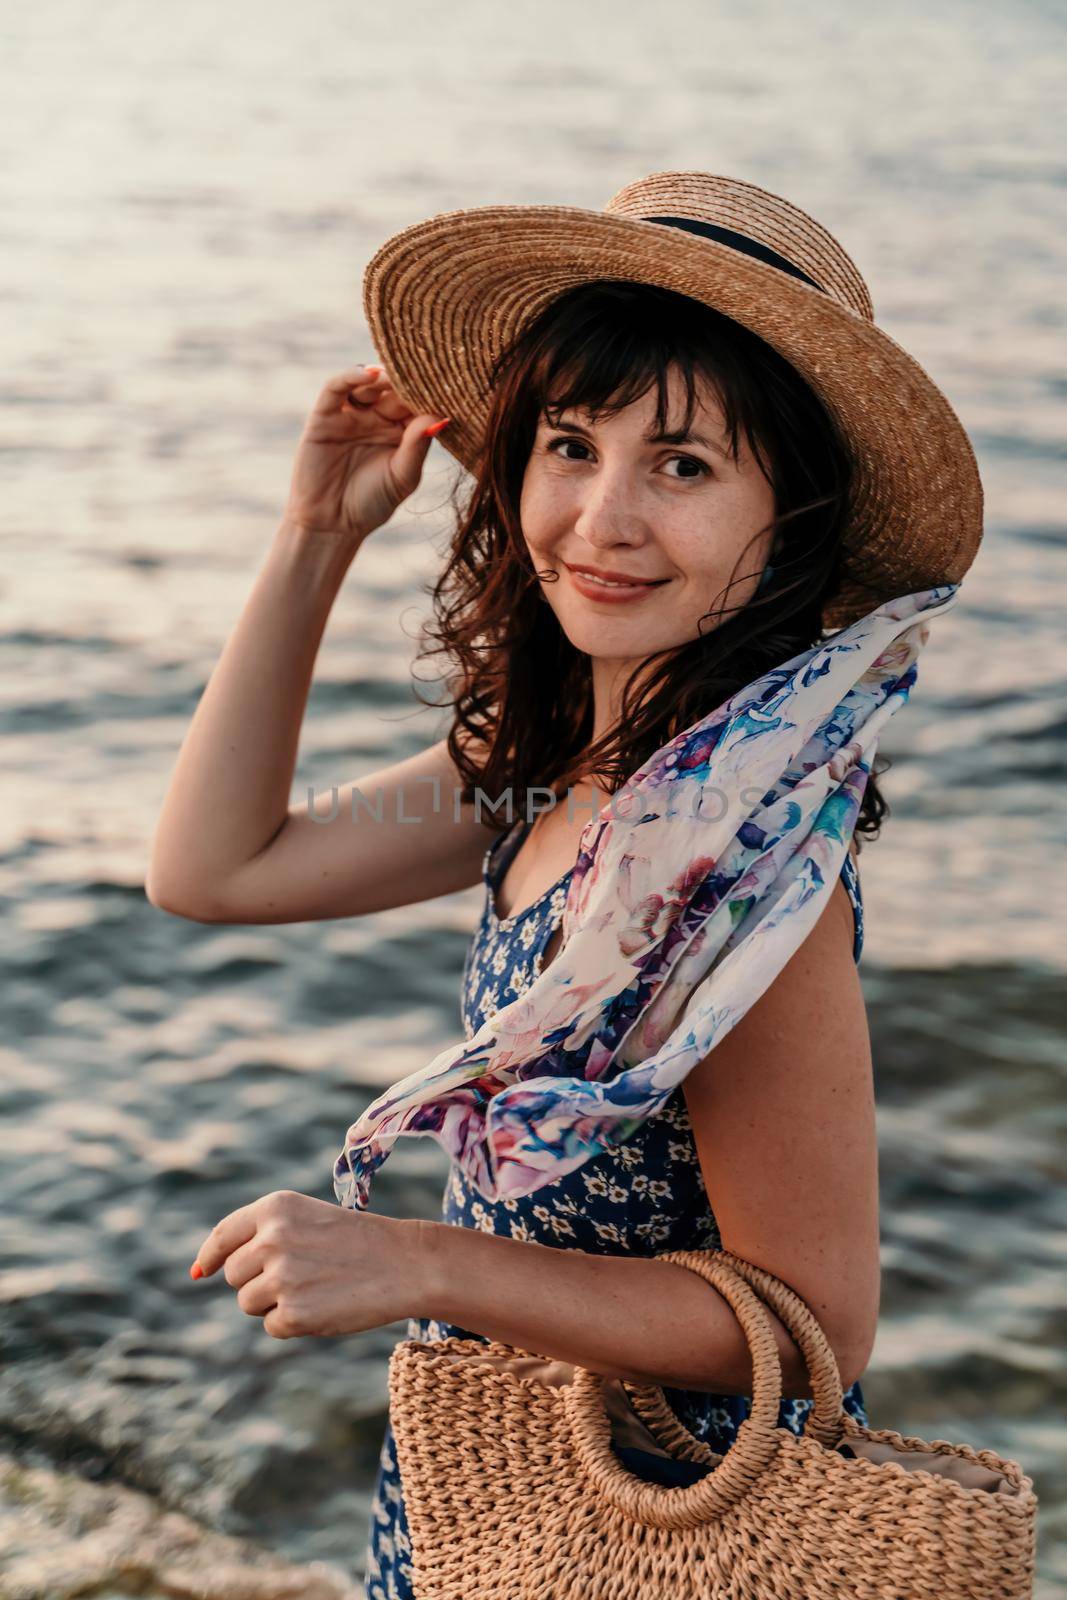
{"points": [[663, 508]]}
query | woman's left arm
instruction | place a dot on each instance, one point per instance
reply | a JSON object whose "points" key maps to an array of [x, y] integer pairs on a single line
{"points": [[783, 1116], [783, 1119], [782, 1112]]}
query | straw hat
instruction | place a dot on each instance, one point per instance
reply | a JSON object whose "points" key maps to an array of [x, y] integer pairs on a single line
{"points": [[443, 298]]}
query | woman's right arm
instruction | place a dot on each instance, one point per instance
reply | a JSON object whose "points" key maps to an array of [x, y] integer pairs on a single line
{"points": [[227, 847]]}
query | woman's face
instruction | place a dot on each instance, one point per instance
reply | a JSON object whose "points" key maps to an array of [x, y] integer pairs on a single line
{"points": [[682, 514]]}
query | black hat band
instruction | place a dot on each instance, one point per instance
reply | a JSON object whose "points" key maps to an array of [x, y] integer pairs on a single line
{"points": [[738, 241]]}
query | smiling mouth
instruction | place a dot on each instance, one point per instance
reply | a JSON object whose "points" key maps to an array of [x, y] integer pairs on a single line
{"points": [[601, 582]]}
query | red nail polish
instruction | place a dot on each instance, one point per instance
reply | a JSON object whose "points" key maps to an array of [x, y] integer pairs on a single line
{"points": [[196, 1270], [435, 427]]}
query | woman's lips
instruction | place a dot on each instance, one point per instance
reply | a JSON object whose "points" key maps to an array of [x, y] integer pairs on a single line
{"points": [[613, 593]]}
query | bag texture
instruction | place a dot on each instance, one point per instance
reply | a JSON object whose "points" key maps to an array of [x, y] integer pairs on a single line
{"points": [[514, 1491]]}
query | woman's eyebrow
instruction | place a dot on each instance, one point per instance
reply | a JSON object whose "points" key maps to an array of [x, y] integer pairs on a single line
{"points": [[674, 436], [686, 436]]}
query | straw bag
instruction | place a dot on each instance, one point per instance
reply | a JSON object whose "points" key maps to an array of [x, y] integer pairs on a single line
{"points": [[514, 1491]]}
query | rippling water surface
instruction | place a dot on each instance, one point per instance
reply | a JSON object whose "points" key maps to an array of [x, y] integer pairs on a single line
{"points": [[189, 201]]}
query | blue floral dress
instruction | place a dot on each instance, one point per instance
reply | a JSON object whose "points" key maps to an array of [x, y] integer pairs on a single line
{"points": [[639, 1198]]}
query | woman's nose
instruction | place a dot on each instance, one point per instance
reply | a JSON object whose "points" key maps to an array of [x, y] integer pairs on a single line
{"points": [[608, 515]]}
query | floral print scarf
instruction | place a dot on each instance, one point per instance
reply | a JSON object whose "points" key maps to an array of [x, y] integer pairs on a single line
{"points": [[693, 886]]}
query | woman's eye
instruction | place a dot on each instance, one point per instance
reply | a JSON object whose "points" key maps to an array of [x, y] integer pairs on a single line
{"points": [[554, 446], [691, 461]]}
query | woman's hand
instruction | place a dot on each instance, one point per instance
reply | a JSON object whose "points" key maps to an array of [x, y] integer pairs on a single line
{"points": [[361, 453], [307, 1266]]}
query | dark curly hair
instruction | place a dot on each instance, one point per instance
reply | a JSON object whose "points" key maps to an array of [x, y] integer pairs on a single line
{"points": [[521, 694]]}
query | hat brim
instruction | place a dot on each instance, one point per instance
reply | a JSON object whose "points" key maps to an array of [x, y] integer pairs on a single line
{"points": [[445, 296]]}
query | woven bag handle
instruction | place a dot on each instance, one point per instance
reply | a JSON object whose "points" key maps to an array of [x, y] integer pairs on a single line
{"points": [[824, 1420], [757, 1441], [656, 1505]]}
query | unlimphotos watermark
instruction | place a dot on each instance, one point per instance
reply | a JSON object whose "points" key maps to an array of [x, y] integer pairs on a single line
{"points": [[706, 802]]}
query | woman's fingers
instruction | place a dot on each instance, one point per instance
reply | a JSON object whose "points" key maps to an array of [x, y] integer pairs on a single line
{"points": [[343, 380], [368, 388], [355, 386], [392, 409], [365, 392], [382, 400]]}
